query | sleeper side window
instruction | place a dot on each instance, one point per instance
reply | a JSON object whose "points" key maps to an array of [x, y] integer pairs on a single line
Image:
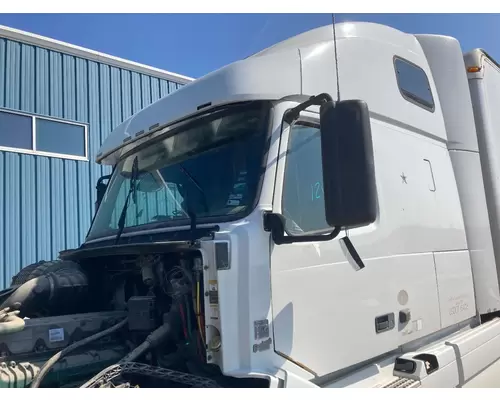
{"points": [[413, 84]]}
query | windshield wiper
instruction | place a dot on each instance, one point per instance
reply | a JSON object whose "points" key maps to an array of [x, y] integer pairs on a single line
{"points": [[131, 191], [195, 183], [190, 211]]}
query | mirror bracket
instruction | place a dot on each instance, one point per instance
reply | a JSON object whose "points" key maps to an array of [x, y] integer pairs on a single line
{"points": [[101, 179], [275, 223], [293, 114]]}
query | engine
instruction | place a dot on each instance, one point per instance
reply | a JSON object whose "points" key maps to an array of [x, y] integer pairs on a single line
{"points": [[114, 321]]}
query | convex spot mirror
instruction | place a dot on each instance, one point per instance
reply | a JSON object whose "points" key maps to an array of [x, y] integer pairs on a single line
{"points": [[348, 164]]}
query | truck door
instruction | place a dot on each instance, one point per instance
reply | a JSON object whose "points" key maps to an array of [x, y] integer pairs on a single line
{"points": [[328, 313]]}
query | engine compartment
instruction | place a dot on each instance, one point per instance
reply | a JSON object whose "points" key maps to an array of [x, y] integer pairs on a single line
{"points": [[117, 320]]}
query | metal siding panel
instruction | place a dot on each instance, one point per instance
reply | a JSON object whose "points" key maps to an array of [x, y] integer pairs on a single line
{"points": [[135, 81], [55, 85], [57, 181], [12, 215], [3, 72], [171, 87], [70, 204], [28, 215], [43, 209], [163, 88], [105, 101], [82, 90], [69, 87], [116, 98], [145, 90], [162, 204], [126, 86], [12, 75], [85, 207], [155, 89], [42, 79], [27, 78]]}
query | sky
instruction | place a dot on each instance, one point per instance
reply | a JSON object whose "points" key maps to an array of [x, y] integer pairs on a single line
{"points": [[196, 44]]}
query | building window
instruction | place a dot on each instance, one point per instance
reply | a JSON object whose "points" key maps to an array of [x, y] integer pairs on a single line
{"points": [[414, 84], [30, 134], [16, 131], [60, 138]]}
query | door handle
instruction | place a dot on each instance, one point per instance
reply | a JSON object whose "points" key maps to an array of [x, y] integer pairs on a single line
{"points": [[433, 187], [384, 323]]}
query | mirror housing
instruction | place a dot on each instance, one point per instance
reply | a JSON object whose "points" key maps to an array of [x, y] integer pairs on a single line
{"points": [[348, 171], [101, 190], [348, 164]]}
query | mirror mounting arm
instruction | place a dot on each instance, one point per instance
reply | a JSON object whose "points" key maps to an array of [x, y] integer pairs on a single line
{"points": [[293, 113], [275, 223], [101, 179]]}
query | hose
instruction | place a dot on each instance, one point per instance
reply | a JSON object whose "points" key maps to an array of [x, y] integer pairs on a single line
{"points": [[61, 290], [56, 357], [6, 292], [25, 292], [153, 339], [10, 322]]}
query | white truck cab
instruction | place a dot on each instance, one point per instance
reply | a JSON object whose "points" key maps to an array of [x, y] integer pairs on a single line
{"points": [[342, 198]]}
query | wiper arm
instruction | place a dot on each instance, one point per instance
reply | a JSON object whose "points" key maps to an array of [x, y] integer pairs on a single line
{"points": [[131, 191], [190, 211], [195, 183]]}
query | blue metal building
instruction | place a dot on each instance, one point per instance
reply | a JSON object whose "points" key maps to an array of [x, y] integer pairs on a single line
{"points": [[57, 104]]}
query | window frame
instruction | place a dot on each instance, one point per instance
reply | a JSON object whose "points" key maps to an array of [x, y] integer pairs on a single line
{"points": [[33, 151], [410, 99], [311, 122]]}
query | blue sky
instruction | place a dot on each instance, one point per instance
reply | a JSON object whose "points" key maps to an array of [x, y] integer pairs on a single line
{"points": [[195, 44]]}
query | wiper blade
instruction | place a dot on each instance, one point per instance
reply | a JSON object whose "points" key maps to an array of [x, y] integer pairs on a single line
{"points": [[131, 192]]}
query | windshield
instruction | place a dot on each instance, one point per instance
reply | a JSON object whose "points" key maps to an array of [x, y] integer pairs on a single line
{"points": [[210, 167]]}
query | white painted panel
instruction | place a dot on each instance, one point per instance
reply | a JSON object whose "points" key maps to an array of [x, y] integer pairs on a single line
{"points": [[467, 166], [325, 306], [456, 292]]}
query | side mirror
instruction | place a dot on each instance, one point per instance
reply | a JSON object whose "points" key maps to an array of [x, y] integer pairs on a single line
{"points": [[101, 190], [348, 164], [348, 169]]}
